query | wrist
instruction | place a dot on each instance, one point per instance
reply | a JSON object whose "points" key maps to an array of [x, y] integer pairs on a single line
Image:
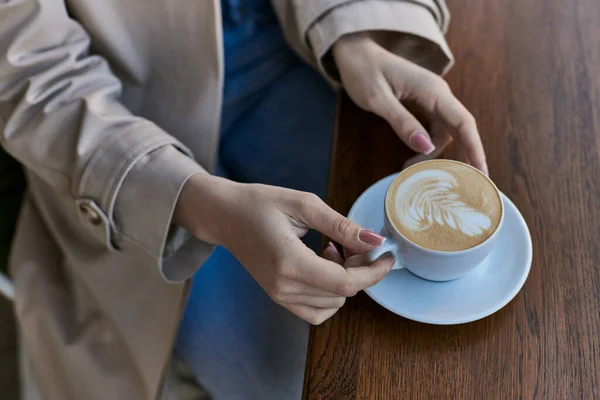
{"points": [[350, 42], [203, 207]]}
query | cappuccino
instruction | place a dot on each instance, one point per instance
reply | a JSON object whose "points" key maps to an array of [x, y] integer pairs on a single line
{"points": [[444, 205]]}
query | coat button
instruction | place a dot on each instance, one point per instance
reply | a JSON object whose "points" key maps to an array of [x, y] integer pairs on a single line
{"points": [[90, 214]]}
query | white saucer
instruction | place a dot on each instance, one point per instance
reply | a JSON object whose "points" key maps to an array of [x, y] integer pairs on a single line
{"points": [[480, 293]]}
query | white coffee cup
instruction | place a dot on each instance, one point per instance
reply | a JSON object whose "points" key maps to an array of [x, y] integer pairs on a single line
{"points": [[433, 265]]}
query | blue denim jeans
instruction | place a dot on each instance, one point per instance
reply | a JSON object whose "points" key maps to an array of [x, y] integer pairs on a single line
{"points": [[276, 129]]}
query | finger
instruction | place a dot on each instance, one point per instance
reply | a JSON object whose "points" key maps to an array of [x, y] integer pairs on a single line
{"points": [[360, 260], [354, 258], [298, 288], [349, 252], [333, 278], [314, 213], [433, 94], [367, 276], [406, 126], [331, 253], [461, 155], [312, 315], [357, 260], [465, 131], [322, 274], [441, 139], [315, 301]]}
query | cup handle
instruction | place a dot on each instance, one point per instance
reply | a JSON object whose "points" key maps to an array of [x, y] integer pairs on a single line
{"points": [[387, 247]]}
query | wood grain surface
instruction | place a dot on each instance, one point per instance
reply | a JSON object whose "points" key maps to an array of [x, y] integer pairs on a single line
{"points": [[529, 71]]}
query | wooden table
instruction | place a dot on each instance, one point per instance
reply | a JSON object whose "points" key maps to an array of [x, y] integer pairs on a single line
{"points": [[529, 71]]}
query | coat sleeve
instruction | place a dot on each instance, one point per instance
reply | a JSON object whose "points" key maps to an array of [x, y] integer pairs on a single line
{"points": [[61, 118], [412, 29]]}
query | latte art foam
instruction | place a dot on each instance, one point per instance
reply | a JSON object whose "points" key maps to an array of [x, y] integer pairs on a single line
{"points": [[444, 205], [427, 198]]}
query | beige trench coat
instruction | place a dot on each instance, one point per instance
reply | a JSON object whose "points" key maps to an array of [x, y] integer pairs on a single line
{"points": [[111, 105]]}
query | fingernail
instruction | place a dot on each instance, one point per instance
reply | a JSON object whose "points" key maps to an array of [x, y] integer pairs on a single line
{"points": [[327, 253], [333, 248], [392, 262], [421, 142], [371, 238]]}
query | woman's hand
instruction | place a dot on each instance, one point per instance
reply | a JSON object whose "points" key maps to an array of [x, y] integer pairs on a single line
{"points": [[380, 81], [350, 259], [262, 225]]}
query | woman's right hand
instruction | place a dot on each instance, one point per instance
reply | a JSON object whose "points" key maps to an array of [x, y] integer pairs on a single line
{"points": [[262, 226], [380, 81]]}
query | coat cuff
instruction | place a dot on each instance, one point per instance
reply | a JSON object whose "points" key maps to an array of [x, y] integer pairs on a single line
{"points": [[144, 208], [422, 21], [128, 193]]}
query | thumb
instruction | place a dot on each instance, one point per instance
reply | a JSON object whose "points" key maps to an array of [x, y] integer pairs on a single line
{"points": [[319, 216]]}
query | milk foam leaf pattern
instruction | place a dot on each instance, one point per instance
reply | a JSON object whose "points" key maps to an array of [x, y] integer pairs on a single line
{"points": [[432, 200]]}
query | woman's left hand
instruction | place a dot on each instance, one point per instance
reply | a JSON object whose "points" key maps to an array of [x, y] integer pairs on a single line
{"points": [[379, 81]]}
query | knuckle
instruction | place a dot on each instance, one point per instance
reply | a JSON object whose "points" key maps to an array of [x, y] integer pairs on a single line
{"points": [[309, 315], [466, 118], [437, 83], [302, 314], [280, 270], [444, 85], [346, 289], [307, 202], [255, 192], [372, 101], [433, 88], [285, 271], [278, 290], [467, 124], [471, 121], [311, 198], [277, 297], [340, 301], [404, 123], [318, 318], [342, 225]]}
